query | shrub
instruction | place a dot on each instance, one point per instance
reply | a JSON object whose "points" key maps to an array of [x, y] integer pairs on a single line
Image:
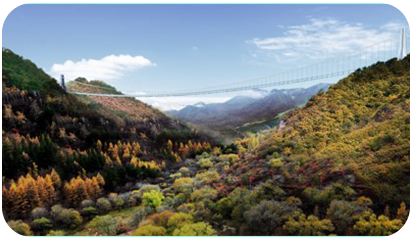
{"points": [[39, 212], [183, 185], [276, 162], [206, 193], [20, 227], [56, 233], [267, 191], [161, 219], [149, 230], [266, 216], [116, 201], [370, 225], [178, 220], [103, 205], [205, 163], [195, 229], [207, 177], [138, 217], [67, 218], [148, 188], [152, 199], [310, 226], [122, 226], [344, 214], [104, 225], [89, 212], [184, 171], [41, 224], [87, 203]]}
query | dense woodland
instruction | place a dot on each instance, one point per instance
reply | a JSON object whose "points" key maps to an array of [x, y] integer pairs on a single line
{"points": [[99, 166]]}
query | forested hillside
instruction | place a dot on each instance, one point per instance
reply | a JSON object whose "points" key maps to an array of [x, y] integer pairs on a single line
{"points": [[95, 166], [55, 144]]}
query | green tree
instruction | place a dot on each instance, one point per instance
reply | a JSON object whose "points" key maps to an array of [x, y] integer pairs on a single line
{"points": [[205, 163], [403, 212], [235, 204], [152, 199], [267, 191], [103, 205], [67, 218], [195, 229], [89, 212], [149, 230], [344, 214], [310, 226], [39, 212], [20, 227], [266, 216], [41, 224], [184, 185], [56, 233], [104, 225], [370, 225], [178, 220]]}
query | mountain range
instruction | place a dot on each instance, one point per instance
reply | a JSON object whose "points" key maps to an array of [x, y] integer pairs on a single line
{"points": [[242, 110]]}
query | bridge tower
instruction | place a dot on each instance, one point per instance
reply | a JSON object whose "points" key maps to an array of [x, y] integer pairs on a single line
{"points": [[62, 82], [403, 44]]}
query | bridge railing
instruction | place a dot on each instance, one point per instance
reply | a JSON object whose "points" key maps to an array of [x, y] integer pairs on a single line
{"points": [[340, 66]]}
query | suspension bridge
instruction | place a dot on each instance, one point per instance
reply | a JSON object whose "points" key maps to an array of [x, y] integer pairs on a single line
{"points": [[340, 66]]}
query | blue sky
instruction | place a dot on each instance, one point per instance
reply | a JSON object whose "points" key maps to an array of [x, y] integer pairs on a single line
{"points": [[170, 47]]}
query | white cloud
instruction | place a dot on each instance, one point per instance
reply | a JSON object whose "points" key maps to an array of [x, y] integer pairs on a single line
{"points": [[110, 67], [321, 38]]}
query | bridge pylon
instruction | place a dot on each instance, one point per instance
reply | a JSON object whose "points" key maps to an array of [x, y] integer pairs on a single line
{"points": [[62, 82], [403, 44]]}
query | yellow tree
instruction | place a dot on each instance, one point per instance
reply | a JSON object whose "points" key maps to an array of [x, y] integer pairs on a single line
{"points": [[41, 189], [126, 153], [51, 192], [6, 202], [32, 192], [100, 179], [99, 145], [81, 190], [22, 204], [89, 187], [56, 179], [190, 145], [402, 212], [169, 146], [96, 187]]}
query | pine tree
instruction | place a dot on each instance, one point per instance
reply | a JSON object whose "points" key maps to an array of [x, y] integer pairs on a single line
{"points": [[56, 179], [169, 146], [99, 145], [126, 153], [41, 189], [6, 202], [100, 179], [22, 205], [387, 211], [81, 190], [190, 145], [181, 149], [402, 212], [96, 187], [51, 192]]}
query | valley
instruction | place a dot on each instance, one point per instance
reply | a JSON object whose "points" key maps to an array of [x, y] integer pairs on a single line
{"points": [[324, 160]]}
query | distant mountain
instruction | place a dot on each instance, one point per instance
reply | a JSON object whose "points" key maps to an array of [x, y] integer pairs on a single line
{"points": [[240, 110]]}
